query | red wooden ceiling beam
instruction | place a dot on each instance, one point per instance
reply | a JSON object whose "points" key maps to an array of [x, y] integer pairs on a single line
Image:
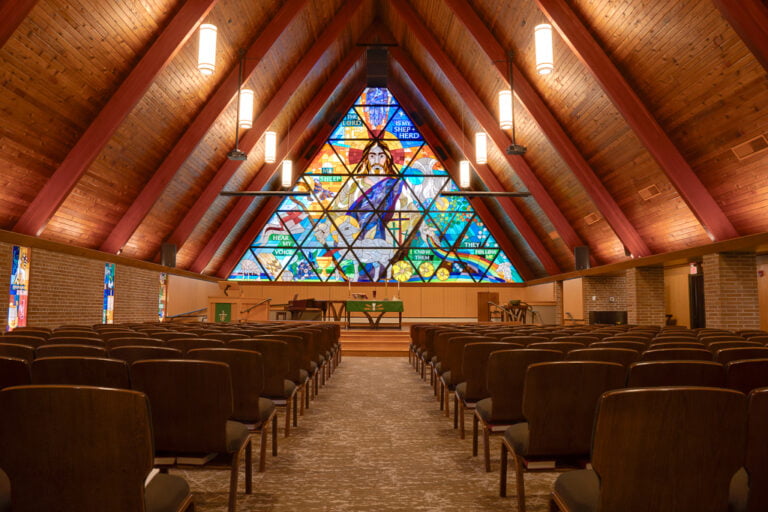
{"points": [[87, 148], [749, 18], [431, 138], [267, 170], [483, 171], [12, 13], [197, 129], [639, 118], [553, 130], [412, 20], [264, 120]]}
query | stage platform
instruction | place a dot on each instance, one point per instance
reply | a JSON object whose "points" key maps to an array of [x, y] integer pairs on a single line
{"points": [[375, 342]]}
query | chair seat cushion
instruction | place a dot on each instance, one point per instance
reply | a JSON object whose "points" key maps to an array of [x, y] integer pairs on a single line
{"points": [[237, 434], [518, 436], [485, 409], [446, 378], [579, 490], [266, 408], [739, 491], [461, 390], [5, 492], [165, 493]]}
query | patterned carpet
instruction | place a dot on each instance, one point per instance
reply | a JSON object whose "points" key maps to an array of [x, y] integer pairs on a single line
{"points": [[373, 440]]}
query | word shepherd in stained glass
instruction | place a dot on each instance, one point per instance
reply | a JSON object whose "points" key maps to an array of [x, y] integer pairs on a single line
{"points": [[374, 200]]}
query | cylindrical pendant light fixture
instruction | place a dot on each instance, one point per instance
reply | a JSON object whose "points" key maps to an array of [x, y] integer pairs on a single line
{"points": [[287, 174], [206, 51], [481, 148], [464, 174], [505, 109], [270, 147], [246, 108], [545, 62]]}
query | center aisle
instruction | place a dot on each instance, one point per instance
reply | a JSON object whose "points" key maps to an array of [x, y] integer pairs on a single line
{"points": [[373, 440]]}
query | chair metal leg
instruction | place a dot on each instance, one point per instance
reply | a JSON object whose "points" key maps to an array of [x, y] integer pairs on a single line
{"points": [[455, 410], [248, 468], [295, 400], [263, 448], [520, 480], [274, 435], [503, 471], [487, 448], [461, 411], [475, 422]]}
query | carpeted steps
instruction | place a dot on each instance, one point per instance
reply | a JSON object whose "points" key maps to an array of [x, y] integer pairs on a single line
{"points": [[375, 342]]}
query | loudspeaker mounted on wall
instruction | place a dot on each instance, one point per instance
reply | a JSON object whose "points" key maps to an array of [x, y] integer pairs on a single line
{"points": [[581, 255], [168, 255]]}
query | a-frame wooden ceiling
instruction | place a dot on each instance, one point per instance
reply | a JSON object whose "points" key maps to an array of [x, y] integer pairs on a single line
{"points": [[649, 137]]}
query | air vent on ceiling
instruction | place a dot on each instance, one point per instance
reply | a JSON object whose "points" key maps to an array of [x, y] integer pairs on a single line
{"points": [[648, 193], [591, 218], [751, 147]]}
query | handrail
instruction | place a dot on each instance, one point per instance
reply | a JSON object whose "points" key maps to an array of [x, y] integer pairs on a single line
{"points": [[187, 314], [248, 310]]}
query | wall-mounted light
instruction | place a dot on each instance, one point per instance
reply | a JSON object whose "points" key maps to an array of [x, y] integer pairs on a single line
{"points": [[206, 51], [246, 108], [270, 147], [286, 176], [464, 173], [545, 62], [481, 148]]}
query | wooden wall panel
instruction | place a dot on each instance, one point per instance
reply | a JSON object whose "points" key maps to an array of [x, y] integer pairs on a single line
{"points": [[676, 294]]}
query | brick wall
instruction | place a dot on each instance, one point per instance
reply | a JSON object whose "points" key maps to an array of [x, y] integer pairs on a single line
{"points": [[559, 313], [609, 293], [645, 296], [68, 289], [730, 291]]}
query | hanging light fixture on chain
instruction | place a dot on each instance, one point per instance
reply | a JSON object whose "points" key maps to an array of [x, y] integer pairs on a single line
{"points": [[237, 154], [270, 147], [464, 174], [506, 111], [545, 62], [481, 148], [206, 50]]}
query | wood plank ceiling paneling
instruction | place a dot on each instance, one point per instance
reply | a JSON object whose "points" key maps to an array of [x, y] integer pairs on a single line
{"points": [[684, 61]]}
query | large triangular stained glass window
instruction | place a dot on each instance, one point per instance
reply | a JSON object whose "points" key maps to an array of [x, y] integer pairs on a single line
{"points": [[375, 212]]}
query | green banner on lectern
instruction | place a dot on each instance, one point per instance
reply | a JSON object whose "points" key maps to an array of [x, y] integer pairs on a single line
{"points": [[222, 312], [375, 306]]}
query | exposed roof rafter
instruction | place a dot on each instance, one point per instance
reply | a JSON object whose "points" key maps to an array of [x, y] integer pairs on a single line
{"points": [[749, 18], [106, 122], [12, 13], [640, 119]]}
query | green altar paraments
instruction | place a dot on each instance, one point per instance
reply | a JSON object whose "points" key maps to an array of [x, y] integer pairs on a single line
{"points": [[375, 200], [375, 306]]}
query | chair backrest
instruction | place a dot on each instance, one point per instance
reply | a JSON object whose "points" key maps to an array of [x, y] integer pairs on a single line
{"points": [[668, 449], [81, 371], [578, 338], [631, 345], [225, 336], [437, 342], [58, 350], [676, 354], [23, 339], [276, 363], [747, 374], [676, 373], [562, 346], [134, 342], [132, 353], [474, 367], [298, 353], [191, 403], [559, 402], [717, 345], [187, 344], [623, 356], [760, 338], [455, 352], [169, 335], [76, 340], [68, 448], [629, 337], [726, 355], [14, 372], [721, 337], [506, 376], [656, 345], [110, 335], [43, 332], [757, 450], [672, 338], [25, 352], [246, 368], [525, 340]]}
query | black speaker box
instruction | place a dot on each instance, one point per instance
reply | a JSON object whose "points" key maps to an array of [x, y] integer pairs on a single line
{"points": [[168, 255], [581, 255]]}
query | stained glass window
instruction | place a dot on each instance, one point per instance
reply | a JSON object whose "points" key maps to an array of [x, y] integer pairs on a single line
{"points": [[375, 212]]}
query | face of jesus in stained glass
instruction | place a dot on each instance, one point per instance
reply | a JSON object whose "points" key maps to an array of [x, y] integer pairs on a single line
{"points": [[377, 160]]}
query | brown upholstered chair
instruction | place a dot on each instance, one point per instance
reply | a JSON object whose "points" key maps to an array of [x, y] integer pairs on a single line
{"points": [[717, 345], [247, 370], [676, 354], [169, 335], [641, 460], [110, 335], [59, 350], [277, 386], [191, 410], [525, 340], [134, 341], [25, 352], [300, 367], [720, 337], [749, 489], [225, 336], [29, 340], [132, 353], [657, 345], [583, 339], [453, 373], [504, 407], [562, 346], [623, 356], [187, 344], [42, 332], [726, 355], [81, 371], [83, 449], [14, 371], [630, 345], [676, 373], [559, 403], [747, 374]]}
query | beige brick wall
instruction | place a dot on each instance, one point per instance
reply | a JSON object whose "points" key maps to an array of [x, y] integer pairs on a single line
{"points": [[645, 296], [609, 294], [730, 291], [6, 253], [137, 293]]}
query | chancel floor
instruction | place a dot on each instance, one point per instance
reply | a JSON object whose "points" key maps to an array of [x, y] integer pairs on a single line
{"points": [[373, 440]]}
